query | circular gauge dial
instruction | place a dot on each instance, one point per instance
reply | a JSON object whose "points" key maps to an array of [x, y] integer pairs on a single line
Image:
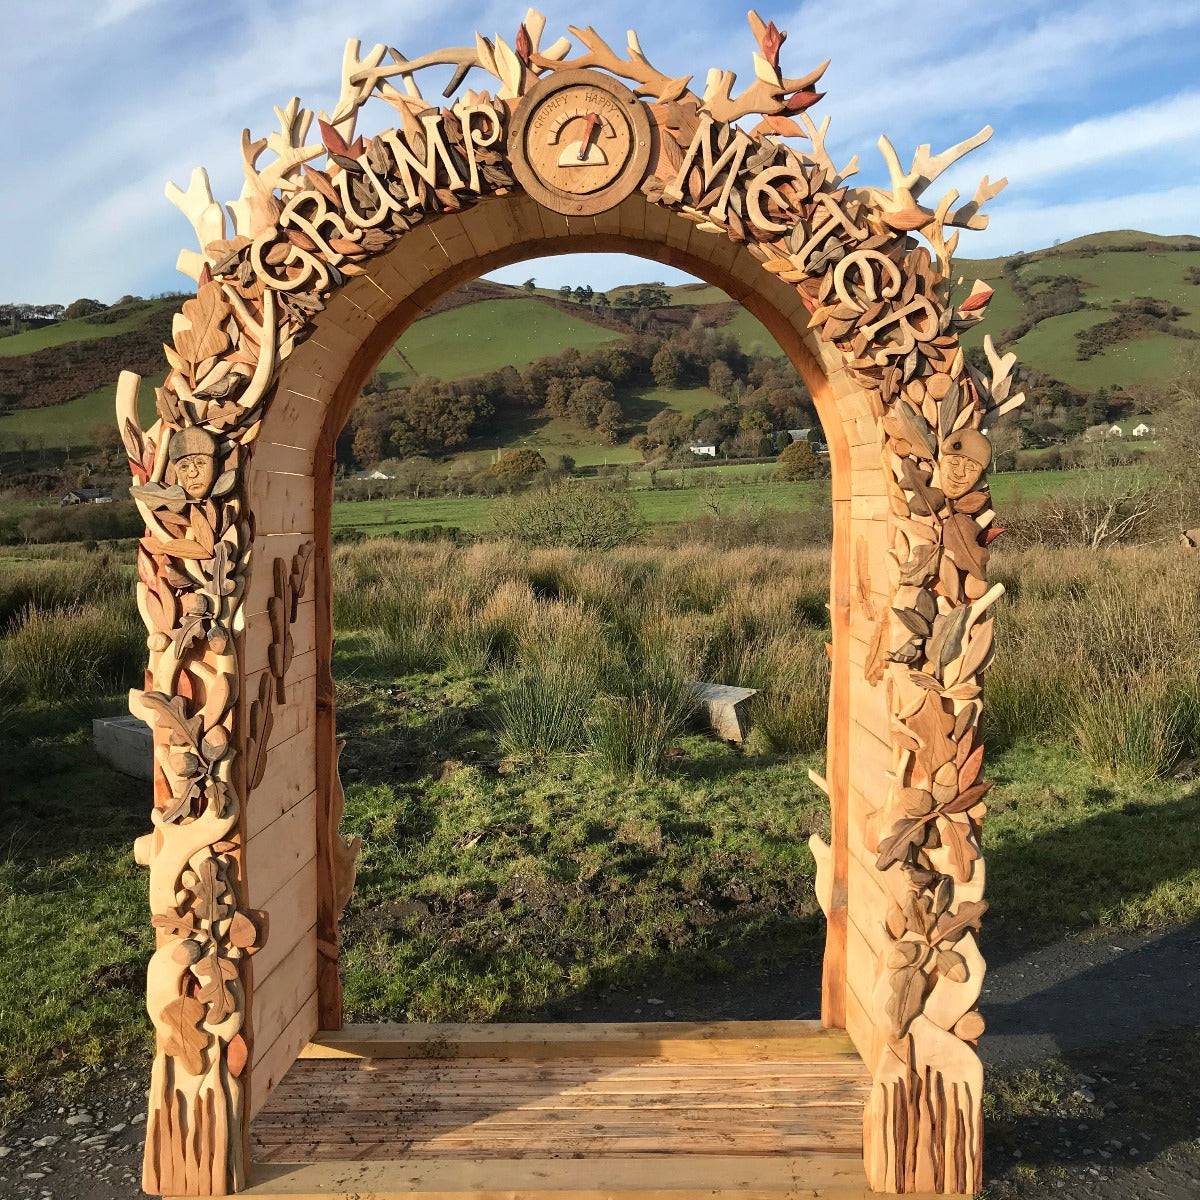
{"points": [[580, 142]]}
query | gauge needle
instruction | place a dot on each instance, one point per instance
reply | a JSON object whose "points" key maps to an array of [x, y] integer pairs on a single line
{"points": [[592, 121]]}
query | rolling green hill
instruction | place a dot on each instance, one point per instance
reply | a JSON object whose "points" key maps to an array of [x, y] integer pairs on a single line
{"points": [[490, 325]]}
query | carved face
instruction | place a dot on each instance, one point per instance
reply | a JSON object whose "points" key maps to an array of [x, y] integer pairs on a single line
{"points": [[964, 458], [195, 474], [193, 453]]}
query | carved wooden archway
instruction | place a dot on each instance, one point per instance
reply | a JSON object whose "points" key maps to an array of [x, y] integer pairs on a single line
{"points": [[323, 268]]}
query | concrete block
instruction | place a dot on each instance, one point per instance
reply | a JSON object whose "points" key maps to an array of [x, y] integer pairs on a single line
{"points": [[125, 742], [725, 709]]}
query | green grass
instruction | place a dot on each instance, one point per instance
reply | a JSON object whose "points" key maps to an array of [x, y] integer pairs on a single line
{"points": [[476, 338], [499, 885], [79, 330], [666, 505], [71, 425]]}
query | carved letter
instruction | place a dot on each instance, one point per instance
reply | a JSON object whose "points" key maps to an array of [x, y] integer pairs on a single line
{"points": [[730, 161], [488, 134], [435, 151]]}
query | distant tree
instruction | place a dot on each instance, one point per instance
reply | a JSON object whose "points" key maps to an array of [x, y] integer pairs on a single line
{"points": [[83, 307], [720, 378], [668, 430], [565, 291], [589, 398], [530, 285], [666, 367], [369, 439], [415, 474], [799, 461], [600, 300], [570, 513], [583, 293], [609, 421], [517, 467]]}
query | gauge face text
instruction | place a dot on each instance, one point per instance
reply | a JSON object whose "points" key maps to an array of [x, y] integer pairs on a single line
{"points": [[580, 142]]}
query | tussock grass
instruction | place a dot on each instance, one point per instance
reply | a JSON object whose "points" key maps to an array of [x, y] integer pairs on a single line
{"points": [[592, 650], [60, 654]]}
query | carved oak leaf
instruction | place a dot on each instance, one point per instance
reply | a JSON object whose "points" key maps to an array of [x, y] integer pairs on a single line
{"points": [[952, 926], [956, 837], [171, 711], [216, 973], [185, 1040], [909, 986], [207, 315], [208, 891]]}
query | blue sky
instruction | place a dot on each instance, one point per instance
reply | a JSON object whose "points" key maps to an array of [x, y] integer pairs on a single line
{"points": [[1096, 105]]}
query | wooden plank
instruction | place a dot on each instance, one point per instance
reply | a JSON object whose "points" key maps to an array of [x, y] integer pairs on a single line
{"points": [[679, 1040], [273, 1058], [283, 994], [259, 635], [291, 913], [274, 854], [685, 1176], [290, 777], [281, 503]]}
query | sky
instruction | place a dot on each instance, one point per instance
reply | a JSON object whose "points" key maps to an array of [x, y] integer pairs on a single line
{"points": [[1096, 106]]}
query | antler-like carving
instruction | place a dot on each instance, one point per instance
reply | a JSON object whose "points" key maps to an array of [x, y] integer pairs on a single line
{"points": [[770, 93], [637, 67], [900, 210], [204, 215]]}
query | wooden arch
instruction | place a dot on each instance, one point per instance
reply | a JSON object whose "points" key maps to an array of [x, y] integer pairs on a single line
{"points": [[323, 267]]}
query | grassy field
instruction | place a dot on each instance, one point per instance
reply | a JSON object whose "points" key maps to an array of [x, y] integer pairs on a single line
{"points": [[80, 329], [680, 496], [476, 338], [72, 424], [522, 857], [1108, 277]]}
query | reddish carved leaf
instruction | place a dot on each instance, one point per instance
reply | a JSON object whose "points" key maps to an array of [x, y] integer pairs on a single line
{"points": [[976, 300], [799, 101], [524, 44], [334, 142], [236, 1055], [990, 535], [772, 39]]}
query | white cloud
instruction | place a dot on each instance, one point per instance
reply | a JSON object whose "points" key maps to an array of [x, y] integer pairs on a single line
{"points": [[123, 94], [1166, 124], [1032, 226]]}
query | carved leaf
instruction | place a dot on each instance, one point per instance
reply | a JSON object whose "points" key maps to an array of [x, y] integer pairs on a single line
{"points": [[967, 798], [956, 837], [185, 1040], [171, 712], [895, 847], [236, 1055], [207, 314], [908, 996], [951, 926], [216, 973]]}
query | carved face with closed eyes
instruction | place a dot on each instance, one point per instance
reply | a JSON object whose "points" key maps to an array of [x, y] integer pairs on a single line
{"points": [[964, 457]]}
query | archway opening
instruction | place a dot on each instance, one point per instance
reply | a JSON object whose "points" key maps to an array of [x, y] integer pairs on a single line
{"points": [[514, 664]]}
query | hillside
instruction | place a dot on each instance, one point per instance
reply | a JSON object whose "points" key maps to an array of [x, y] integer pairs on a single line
{"points": [[1071, 311]]}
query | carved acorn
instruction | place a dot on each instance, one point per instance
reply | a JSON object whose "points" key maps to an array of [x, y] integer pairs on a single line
{"points": [[964, 458]]}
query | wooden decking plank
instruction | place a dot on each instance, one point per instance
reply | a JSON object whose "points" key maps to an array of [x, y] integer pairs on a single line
{"points": [[433, 1112], [805, 1177], [740, 1040]]}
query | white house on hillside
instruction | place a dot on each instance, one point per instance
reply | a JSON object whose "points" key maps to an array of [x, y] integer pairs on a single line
{"points": [[1142, 430], [1115, 431], [709, 451]]}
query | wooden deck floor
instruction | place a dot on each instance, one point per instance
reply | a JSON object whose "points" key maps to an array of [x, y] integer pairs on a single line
{"points": [[737, 1109]]}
